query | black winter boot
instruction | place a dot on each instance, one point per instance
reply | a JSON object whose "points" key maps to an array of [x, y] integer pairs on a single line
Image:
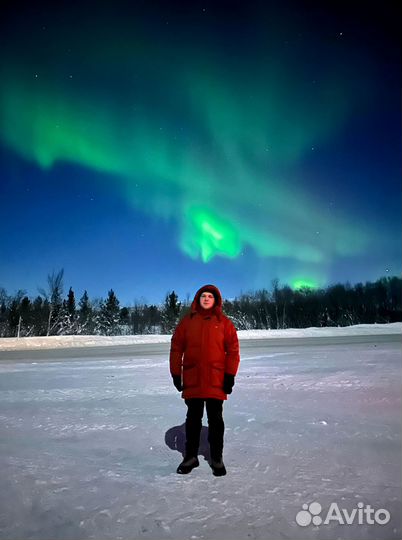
{"points": [[187, 465], [218, 468]]}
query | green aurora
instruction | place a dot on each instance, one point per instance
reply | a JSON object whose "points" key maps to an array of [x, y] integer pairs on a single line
{"points": [[197, 145]]}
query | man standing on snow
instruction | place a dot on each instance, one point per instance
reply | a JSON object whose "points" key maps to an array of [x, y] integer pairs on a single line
{"points": [[204, 358]]}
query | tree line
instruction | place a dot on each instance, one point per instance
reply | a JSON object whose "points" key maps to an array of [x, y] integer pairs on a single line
{"points": [[53, 313]]}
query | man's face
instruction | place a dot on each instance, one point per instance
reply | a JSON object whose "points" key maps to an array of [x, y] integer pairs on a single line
{"points": [[207, 300]]}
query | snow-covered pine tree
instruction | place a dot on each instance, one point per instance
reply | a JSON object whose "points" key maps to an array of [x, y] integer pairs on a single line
{"points": [[68, 319], [170, 313], [109, 316], [86, 323]]}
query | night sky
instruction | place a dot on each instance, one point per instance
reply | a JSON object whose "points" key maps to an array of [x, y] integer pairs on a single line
{"points": [[148, 146]]}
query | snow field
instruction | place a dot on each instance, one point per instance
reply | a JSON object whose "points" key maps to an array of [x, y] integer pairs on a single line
{"points": [[89, 446]]}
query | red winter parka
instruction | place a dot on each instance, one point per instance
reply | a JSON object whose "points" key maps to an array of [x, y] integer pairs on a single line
{"points": [[204, 347]]}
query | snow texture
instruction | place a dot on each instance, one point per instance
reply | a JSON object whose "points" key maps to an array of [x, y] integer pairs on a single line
{"points": [[89, 443]]}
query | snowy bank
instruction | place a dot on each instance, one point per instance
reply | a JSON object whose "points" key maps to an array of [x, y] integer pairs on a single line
{"points": [[56, 342]]}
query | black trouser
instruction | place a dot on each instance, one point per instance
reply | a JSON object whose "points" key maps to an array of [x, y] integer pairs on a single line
{"points": [[216, 427]]}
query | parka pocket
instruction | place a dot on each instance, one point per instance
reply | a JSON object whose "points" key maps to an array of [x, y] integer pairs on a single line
{"points": [[217, 375], [190, 376]]}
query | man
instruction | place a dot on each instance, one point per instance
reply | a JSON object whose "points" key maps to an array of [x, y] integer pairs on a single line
{"points": [[204, 359]]}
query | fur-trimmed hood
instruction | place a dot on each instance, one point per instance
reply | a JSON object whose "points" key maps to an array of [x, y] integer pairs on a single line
{"points": [[217, 309]]}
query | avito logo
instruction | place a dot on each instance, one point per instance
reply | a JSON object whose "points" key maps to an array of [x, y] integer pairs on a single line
{"points": [[363, 514]]}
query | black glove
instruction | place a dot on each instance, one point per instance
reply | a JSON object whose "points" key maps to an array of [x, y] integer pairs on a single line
{"points": [[177, 382], [228, 383]]}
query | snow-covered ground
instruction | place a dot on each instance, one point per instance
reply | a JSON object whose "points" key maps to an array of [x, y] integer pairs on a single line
{"points": [[89, 443], [54, 342]]}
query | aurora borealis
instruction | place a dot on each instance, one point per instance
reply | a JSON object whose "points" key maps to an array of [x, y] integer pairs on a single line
{"points": [[150, 146]]}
